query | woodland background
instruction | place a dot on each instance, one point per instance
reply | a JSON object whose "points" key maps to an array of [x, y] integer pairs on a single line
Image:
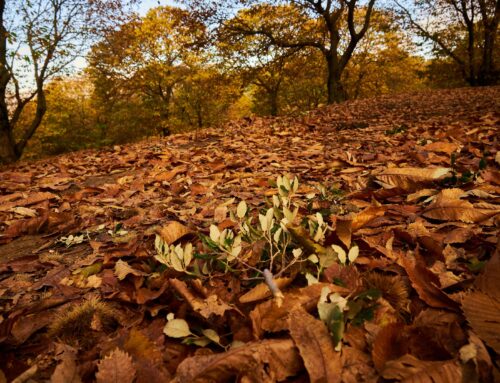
{"points": [[81, 74]]}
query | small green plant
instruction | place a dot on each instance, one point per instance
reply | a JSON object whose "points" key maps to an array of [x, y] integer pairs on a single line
{"points": [[399, 129], [466, 176]]}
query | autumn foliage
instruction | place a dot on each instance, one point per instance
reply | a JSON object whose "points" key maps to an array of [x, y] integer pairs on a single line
{"points": [[357, 242]]}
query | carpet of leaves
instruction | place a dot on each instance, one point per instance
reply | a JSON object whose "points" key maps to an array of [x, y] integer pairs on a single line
{"points": [[414, 182]]}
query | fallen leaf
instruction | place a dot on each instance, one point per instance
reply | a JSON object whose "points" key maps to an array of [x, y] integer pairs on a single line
{"points": [[116, 367], [410, 179], [122, 269], [66, 371], [316, 347], [442, 147], [205, 307], [410, 369], [267, 316], [446, 208], [483, 314], [173, 231], [177, 328], [426, 284], [261, 291], [265, 361]]}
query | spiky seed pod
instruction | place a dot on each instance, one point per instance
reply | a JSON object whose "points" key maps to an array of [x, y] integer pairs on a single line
{"points": [[393, 288], [80, 323]]}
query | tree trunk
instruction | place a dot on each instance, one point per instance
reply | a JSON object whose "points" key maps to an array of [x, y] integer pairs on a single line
{"points": [[273, 99], [8, 152], [336, 91], [487, 75]]}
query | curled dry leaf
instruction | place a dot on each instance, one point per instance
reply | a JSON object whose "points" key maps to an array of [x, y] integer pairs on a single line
{"points": [[66, 371], [173, 231], [204, 307], [116, 367], [483, 314], [266, 361], [426, 284], [267, 316], [442, 147], [489, 280], [363, 217], [410, 179], [412, 370], [122, 269], [389, 344], [30, 199], [316, 347], [261, 291], [449, 209]]}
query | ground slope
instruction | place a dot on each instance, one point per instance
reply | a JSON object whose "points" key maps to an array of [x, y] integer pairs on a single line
{"points": [[412, 181]]}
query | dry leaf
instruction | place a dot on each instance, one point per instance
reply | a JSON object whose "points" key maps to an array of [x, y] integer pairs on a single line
{"points": [[483, 314], [316, 347], [488, 281], [412, 370], [426, 284], [268, 316], [442, 147], [410, 179], [205, 307], [453, 209], [261, 291], [173, 231], [177, 328], [266, 361], [122, 269], [66, 371], [117, 367]]}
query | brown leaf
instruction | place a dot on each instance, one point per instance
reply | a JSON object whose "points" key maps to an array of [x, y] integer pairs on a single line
{"points": [[269, 360], [426, 284], [169, 176], [357, 366], [411, 179], [122, 269], [31, 199], [66, 371], [458, 210], [483, 314], [363, 217], [148, 358], [489, 280], [261, 291], [117, 367], [205, 307], [389, 344], [267, 316], [316, 348], [442, 147], [173, 231], [412, 370]]}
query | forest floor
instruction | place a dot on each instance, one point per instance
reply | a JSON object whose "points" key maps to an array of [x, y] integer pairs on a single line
{"points": [[411, 182]]}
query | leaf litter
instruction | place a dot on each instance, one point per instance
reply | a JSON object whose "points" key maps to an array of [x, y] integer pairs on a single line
{"points": [[157, 261]]}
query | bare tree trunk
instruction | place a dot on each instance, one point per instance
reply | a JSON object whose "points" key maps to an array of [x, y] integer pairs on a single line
{"points": [[487, 73], [7, 145], [336, 91]]}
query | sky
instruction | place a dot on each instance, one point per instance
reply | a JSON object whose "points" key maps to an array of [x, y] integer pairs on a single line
{"points": [[148, 4]]}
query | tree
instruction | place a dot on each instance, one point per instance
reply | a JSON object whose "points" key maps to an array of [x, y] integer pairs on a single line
{"points": [[70, 121], [313, 24], [256, 61], [39, 39], [463, 30], [383, 61], [148, 58]]}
